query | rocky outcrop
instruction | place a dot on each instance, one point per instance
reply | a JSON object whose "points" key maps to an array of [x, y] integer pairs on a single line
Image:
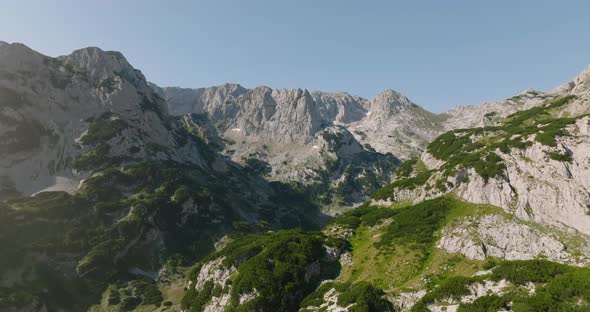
{"points": [[215, 272], [544, 182], [93, 102], [496, 236], [488, 113], [406, 300], [539, 188], [534, 186], [476, 290]]}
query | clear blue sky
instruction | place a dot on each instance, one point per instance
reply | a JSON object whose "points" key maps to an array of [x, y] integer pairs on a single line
{"points": [[438, 53]]}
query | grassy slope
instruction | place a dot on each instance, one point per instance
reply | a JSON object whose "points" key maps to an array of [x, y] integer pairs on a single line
{"points": [[409, 265]]}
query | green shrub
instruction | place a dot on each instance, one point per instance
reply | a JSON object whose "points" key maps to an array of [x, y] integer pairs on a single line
{"points": [[14, 298], [103, 130], [274, 264], [522, 272], [277, 272], [152, 295], [406, 168], [560, 157], [316, 298], [365, 297], [94, 159], [417, 224], [454, 288], [129, 304], [383, 193], [490, 303], [476, 148], [195, 299], [217, 290], [413, 182], [364, 214]]}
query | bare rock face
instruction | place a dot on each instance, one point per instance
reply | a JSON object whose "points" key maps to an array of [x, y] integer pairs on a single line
{"points": [[580, 84], [396, 125], [293, 136], [292, 132], [544, 185], [539, 188], [272, 124], [496, 236], [534, 187], [283, 116], [404, 301], [92, 102], [390, 123], [487, 114]]}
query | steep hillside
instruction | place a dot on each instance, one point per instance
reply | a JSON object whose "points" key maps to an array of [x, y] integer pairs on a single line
{"points": [[396, 258], [533, 164], [101, 186]]}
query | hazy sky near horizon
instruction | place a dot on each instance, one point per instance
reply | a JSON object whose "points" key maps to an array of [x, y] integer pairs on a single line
{"points": [[438, 53]]}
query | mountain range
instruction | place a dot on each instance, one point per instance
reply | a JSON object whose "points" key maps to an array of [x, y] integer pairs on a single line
{"points": [[118, 194]]}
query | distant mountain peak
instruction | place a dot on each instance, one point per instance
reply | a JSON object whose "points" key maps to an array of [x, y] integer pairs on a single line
{"points": [[102, 64], [580, 83], [18, 56], [390, 100]]}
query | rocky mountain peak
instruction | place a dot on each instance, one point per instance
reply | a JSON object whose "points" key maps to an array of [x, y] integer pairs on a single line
{"points": [[100, 64], [390, 101], [582, 81], [579, 84], [17, 56], [234, 88]]}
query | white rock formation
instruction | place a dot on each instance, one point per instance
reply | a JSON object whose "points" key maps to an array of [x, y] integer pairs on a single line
{"points": [[406, 300], [47, 104], [495, 236], [390, 123]]}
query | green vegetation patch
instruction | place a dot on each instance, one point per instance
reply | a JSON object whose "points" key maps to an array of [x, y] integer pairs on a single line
{"points": [[15, 298], [411, 174], [560, 156], [394, 247], [272, 264], [558, 288], [130, 295], [94, 159], [476, 148], [361, 297], [103, 130], [418, 224], [406, 168], [489, 303]]}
